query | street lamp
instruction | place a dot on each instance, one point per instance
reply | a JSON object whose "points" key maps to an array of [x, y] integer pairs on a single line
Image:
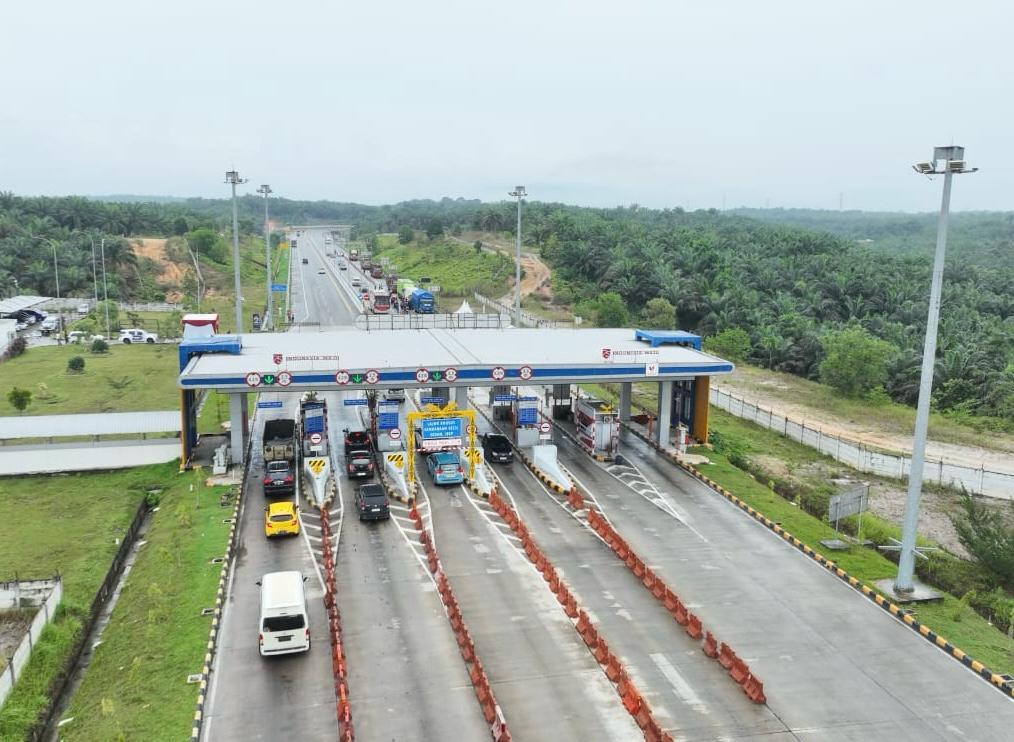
{"points": [[518, 193], [947, 161], [232, 177], [266, 190]]}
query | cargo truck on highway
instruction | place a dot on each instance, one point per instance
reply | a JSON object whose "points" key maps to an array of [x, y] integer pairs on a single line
{"points": [[280, 440], [421, 302]]}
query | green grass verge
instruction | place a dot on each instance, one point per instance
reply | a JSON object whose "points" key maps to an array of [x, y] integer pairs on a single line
{"points": [[127, 378], [458, 269], [216, 411], [135, 687], [67, 524]]}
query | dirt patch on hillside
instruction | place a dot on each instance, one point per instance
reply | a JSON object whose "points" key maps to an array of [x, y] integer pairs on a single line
{"points": [[170, 273], [13, 625], [535, 277]]}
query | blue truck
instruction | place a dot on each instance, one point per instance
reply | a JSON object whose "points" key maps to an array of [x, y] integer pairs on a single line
{"points": [[421, 302]]}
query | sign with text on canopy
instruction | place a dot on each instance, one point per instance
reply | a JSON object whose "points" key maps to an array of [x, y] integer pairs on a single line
{"points": [[447, 430], [387, 415]]}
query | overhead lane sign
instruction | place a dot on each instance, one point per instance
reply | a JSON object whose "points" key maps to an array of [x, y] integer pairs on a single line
{"points": [[441, 432]]}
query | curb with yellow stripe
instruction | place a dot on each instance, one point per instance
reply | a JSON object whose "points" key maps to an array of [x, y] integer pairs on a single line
{"points": [[995, 679], [528, 462], [216, 621]]}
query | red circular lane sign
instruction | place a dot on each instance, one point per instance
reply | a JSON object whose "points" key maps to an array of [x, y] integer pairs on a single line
{"points": [[498, 373], [342, 377], [450, 374], [545, 427], [253, 379], [394, 434], [284, 378], [422, 375], [525, 372], [372, 376], [316, 438]]}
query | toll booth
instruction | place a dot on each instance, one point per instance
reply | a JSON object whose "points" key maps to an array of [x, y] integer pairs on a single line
{"points": [[559, 401], [526, 420], [598, 426]]}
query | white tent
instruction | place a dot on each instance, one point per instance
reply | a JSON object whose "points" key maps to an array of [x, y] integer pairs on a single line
{"points": [[464, 308]]}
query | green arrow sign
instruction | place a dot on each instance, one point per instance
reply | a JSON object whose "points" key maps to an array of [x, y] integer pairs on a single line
{"points": [[435, 375], [357, 378], [268, 379]]}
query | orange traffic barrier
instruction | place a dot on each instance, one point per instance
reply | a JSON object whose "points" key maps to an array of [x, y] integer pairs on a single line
{"points": [[643, 715], [680, 614], [432, 559], [613, 670], [670, 600], [424, 538], [590, 636], [475, 672], [631, 698], [726, 656], [648, 579], [554, 582], [499, 730], [413, 513], [563, 594], [582, 623], [754, 689], [638, 568], [631, 559], [601, 651], [570, 607], [693, 627], [710, 646], [739, 671]]}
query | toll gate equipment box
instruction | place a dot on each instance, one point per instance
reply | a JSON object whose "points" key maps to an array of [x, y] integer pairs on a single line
{"points": [[313, 426], [598, 425]]}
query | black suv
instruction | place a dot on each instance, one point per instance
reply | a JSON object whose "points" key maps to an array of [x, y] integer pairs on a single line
{"points": [[357, 440], [279, 479], [371, 503], [497, 448], [359, 465]]}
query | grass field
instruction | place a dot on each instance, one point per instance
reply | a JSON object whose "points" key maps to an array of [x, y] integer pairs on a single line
{"points": [[68, 524], [891, 418], [216, 411], [135, 686], [458, 269], [127, 378]]}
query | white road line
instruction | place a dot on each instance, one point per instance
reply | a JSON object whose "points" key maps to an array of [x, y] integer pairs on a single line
{"points": [[680, 686]]}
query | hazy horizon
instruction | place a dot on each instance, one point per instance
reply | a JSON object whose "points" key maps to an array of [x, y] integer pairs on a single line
{"points": [[662, 104]]}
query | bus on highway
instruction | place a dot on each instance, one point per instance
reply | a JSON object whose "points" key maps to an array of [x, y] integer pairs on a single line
{"points": [[381, 302]]}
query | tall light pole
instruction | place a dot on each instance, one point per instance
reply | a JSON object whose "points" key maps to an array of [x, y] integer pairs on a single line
{"points": [[518, 193], [946, 161], [105, 286], [232, 177], [95, 275], [266, 190]]}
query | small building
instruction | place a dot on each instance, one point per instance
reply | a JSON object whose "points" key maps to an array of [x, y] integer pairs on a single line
{"points": [[8, 331]]}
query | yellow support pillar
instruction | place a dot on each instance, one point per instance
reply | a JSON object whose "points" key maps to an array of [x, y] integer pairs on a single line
{"points": [[702, 395]]}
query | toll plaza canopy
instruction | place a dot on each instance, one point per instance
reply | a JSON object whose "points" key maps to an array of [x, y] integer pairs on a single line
{"points": [[352, 359]]}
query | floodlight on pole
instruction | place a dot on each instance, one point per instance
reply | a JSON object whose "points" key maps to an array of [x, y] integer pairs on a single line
{"points": [[232, 177], [518, 193], [266, 190], [947, 161]]}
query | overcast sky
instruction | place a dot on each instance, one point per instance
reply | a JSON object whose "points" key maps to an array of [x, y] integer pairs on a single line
{"points": [[661, 103]]}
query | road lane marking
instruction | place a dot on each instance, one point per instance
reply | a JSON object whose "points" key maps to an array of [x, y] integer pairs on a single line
{"points": [[681, 687]]}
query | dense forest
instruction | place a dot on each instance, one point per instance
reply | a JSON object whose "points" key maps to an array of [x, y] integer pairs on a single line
{"points": [[786, 278]]}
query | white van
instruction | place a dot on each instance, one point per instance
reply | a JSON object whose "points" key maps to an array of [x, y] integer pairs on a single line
{"points": [[285, 623]]}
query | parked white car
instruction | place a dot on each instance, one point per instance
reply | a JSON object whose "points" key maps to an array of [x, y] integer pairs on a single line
{"points": [[137, 336]]}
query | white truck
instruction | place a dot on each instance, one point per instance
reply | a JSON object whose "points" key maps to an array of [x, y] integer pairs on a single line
{"points": [[135, 335]]}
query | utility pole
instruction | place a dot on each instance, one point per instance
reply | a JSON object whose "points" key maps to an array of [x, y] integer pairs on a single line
{"points": [[946, 161], [95, 275], [268, 317], [105, 287], [518, 193], [232, 177]]}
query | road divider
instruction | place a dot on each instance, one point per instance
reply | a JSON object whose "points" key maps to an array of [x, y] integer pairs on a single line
{"points": [[998, 681], [690, 622], [339, 670], [480, 682], [629, 696]]}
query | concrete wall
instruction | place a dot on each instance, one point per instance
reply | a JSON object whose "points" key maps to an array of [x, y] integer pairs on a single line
{"points": [[32, 591]]}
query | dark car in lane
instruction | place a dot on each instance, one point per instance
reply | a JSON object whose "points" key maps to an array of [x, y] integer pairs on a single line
{"points": [[371, 503], [497, 448], [359, 465], [279, 479]]}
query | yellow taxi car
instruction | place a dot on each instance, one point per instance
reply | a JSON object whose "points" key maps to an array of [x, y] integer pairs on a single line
{"points": [[280, 519]]}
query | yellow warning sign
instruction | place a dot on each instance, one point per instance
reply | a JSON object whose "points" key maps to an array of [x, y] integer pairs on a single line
{"points": [[397, 459], [472, 454], [316, 465]]}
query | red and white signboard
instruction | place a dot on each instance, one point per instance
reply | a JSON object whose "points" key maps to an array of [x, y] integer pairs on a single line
{"points": [[422, 375], [651, 369], [316, 438], [372, 376], [545, 427], [450, 374], [253, 379], [525, 372], [394, 434], [342, 377], [284, 378], [498, 373]]}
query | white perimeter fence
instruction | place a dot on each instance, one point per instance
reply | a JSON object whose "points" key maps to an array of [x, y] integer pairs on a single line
{"points": [[978, 481], [43, 616]]}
